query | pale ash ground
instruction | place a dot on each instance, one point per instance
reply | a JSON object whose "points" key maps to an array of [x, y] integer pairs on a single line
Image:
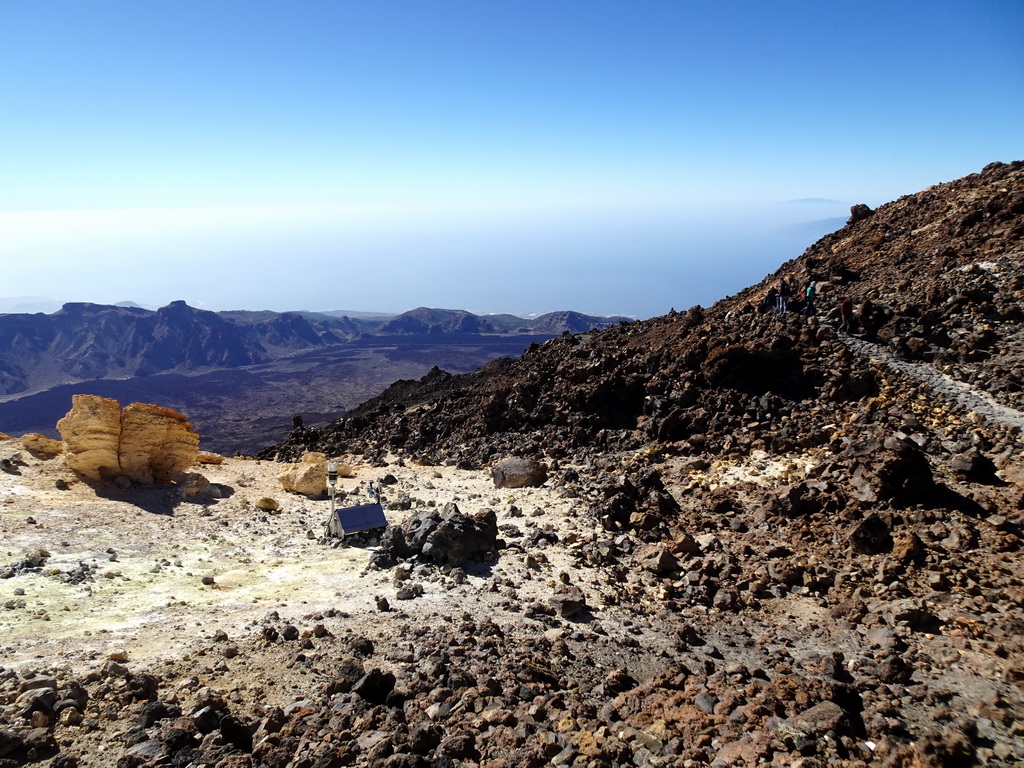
{"points": [[147, 596]]}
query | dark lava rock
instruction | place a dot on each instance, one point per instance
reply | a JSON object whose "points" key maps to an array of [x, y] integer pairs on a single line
{"points": [[519, 472], [236, 732], [859, 212], [568, 601], [461, 746], [445, 536], [157, 710], [10, 742], [901, 475], [206, 720], [871, 536], [974, 467], [150, 752], [346, 674], [375, 686], [638, 502]]}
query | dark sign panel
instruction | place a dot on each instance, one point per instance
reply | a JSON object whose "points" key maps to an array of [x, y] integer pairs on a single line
{"points": [[361, 518]]}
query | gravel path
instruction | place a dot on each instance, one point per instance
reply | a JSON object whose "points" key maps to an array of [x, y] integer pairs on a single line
{"points": [[971, 398]]}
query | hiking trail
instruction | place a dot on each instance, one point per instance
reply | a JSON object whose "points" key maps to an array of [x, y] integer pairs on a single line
{"points": [[973, 399]]}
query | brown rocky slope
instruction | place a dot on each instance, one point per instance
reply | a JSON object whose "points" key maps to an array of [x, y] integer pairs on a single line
{"points": [[904, 523], [936, 276]]}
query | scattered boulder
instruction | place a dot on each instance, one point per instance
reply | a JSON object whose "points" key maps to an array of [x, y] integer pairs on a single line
{"points": [[657, 559], [974, 467], [936, 749], [375, 686], [308, 476], [443, 537], [907, 547], [192, 485], [859, 212], [519, 472], [268, 504], [898, 472], [871, 536], [568, 601], [637, 502]]}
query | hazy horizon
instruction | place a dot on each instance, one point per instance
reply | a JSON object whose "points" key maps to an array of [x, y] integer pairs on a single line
{"points": [[501, 157], [732, 253]]}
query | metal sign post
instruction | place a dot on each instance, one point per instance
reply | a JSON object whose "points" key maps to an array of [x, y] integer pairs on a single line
{"points": [[332, 481]]}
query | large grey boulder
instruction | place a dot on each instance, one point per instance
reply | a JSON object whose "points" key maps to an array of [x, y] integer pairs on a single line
{"points": [[519, 472]]}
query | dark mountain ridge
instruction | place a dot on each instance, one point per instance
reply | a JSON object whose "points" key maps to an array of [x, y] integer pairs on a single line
{"points": [[83, 341]]}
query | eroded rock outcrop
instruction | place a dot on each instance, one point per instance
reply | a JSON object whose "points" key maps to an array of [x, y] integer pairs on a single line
{"points": [[42, 447], [145, 443]]}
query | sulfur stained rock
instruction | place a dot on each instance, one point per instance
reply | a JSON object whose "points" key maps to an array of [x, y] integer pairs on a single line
{"points": [[92, 431], [156, 443], [308, 476], [145, 443], [192, 485], [42, 447]]}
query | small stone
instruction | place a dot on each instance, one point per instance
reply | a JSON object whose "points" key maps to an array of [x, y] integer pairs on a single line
{"points": [[706, 702]]}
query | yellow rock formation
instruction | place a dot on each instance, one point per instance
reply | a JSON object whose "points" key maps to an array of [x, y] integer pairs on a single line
{"points": [[308, 476], [42, 447], [145, 443]]}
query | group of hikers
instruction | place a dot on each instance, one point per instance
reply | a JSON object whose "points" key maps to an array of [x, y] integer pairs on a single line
{"points": [[781, 299]]}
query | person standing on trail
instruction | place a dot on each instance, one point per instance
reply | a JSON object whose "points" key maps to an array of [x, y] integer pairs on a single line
{"points": [[784, 294], [846, 314], [771, 301], [810, 293]]}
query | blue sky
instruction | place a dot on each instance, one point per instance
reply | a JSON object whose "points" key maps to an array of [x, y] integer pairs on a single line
{"points": [[609, 157]]}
